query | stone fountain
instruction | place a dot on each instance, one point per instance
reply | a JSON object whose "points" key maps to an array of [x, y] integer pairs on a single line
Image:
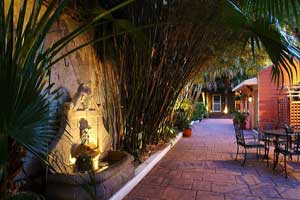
{"points": [[85, 145]]}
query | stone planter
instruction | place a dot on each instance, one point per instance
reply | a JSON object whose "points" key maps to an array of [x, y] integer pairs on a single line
{"points": [[108, 181]]}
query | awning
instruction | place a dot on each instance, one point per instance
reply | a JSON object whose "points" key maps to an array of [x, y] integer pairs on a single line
{"points": [[248, 82]]}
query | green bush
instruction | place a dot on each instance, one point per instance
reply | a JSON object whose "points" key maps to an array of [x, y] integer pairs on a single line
{"points": [[239, 117], [168, 133], [199, 112], [186, 106], [182, 119]]}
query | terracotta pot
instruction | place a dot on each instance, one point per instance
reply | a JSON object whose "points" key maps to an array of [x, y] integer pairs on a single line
{"points": [[187, 132]]}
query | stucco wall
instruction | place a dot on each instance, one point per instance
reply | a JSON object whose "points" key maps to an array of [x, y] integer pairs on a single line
{"points": [[268, 94]]}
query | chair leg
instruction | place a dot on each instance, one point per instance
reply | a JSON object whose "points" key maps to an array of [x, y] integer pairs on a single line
{"points": [[285, 166], [245, 157], [257, 153], [267, 155], [237, 151], [275, 159]]}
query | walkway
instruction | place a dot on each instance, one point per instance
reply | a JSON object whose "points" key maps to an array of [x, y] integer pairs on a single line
{"points": [[203, 167]]}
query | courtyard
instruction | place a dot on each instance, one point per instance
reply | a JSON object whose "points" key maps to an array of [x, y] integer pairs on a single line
{"points": [[204, 167], [97, 95]]}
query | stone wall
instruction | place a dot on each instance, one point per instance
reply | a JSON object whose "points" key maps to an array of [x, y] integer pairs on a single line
{"points": [[107, 182], [81, 67]]}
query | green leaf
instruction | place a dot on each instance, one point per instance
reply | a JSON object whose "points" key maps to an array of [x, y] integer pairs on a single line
{"points": [[267, 30]]}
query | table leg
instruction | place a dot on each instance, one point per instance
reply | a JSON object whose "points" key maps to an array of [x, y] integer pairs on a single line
{"points": [[276, 153]]}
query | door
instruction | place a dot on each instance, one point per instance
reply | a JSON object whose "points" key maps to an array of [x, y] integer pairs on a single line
{"points": [[217, 103]]}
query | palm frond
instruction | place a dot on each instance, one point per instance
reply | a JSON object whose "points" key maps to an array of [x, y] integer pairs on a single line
{"points": [[287, 11], [269, 33], [25, 111]]}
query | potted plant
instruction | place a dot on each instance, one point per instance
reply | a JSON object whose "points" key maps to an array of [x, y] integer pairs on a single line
{"points": [[199, 112], [240, 118], [183, 123], [187, 131]]}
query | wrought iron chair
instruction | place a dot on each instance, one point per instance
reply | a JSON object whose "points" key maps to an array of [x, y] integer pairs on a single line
{"points": [[246, 143], [284, 148], [267, 125], [297, 144], [288, 146]]}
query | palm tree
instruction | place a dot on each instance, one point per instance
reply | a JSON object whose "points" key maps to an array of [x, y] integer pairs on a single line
{"points": [[262, 22], [26, 120]]}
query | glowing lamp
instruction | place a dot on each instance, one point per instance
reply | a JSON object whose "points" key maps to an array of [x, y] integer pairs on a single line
{"points": [[226, 110], [250, 99]]}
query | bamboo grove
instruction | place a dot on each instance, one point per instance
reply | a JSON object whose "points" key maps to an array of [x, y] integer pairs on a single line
{"points": [[143, 75]]}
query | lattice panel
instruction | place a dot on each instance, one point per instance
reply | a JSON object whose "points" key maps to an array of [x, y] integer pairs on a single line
{"points": [[295, 114], [283, 112]]}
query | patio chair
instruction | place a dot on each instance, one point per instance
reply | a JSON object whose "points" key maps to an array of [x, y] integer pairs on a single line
{"points": [[288, 146], [266, 125], [246, 143], [266, 140], [296, 141]]}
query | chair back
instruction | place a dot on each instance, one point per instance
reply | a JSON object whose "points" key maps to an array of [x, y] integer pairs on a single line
{"points": [[239, 134], [289, 131]]}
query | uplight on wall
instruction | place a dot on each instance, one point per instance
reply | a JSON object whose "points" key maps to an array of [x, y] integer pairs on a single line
{"points": [[250, 99], [225, 110], [72, 160]]}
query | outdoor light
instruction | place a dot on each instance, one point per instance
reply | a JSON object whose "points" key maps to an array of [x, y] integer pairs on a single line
{"points": [[226, 110], [72, 160], [250, 99]]}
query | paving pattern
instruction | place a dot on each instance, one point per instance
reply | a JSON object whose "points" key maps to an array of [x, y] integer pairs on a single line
{"points": [[203, 168]]}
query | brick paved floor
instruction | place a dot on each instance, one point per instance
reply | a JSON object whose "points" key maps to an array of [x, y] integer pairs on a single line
{"points": [[203, 167]]}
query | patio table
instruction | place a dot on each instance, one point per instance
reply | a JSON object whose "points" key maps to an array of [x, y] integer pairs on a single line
{"points": [[276, 133]]}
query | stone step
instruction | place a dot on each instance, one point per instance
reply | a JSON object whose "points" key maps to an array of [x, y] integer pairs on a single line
{"points": [[220, 116]]}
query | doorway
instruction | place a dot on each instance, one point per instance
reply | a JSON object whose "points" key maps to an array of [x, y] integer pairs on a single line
{"points": [[217, 104]]}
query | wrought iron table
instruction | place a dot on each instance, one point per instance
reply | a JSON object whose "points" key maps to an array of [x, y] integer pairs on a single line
{"points": [[277, 134]]}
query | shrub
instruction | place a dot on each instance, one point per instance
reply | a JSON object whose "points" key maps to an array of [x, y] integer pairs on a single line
{"points": [[186, 106], [168, 133], [199, 111], [181, 119], [239, 117]]}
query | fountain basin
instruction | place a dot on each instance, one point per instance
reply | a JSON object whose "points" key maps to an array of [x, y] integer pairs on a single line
{"points": [[107, 182]]}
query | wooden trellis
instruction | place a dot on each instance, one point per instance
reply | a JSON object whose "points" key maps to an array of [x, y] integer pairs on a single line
{"points": [[283, 112], [294, 110], [295, 114]]}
